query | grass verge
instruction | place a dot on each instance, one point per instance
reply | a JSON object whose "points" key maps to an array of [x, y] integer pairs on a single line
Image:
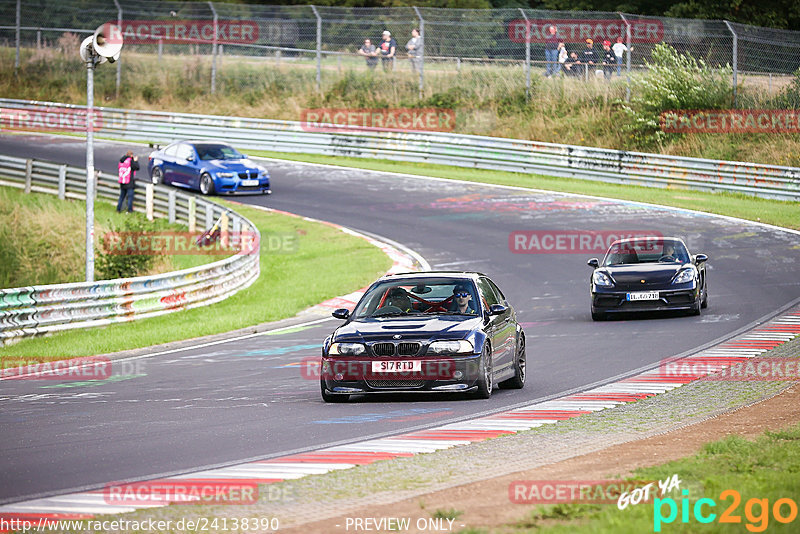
{"points": [[777, 212], [42, 239], [326, 262], [761, 471]]}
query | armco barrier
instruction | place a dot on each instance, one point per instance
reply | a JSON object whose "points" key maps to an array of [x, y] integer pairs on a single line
{"points": [[28, 311], [614, 166]]}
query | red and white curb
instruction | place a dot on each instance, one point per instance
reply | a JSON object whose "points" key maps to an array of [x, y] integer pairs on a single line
{"points": [[85, 505]]}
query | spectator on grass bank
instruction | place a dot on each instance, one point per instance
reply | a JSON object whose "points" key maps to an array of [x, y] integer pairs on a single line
{"points": [[619, 49], [126, 172], [369, 51], [562, 57], [589, 58], [609, 60], [388, 47], [414, 48], [551, 51], [572, 66]]}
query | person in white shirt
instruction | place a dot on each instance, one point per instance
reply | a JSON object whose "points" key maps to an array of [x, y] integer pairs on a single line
{"points": [[562, 57], [619, 48]]}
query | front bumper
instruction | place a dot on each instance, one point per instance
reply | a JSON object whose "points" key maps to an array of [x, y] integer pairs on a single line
{"points": [[617, 301], [234, 186], [354, 375]]}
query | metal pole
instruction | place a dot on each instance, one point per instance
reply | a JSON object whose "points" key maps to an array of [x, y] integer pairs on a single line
{"points": [[214, 51], [19, 16], [119, 63], [421, 59], [628, 60], [90, 167], [319, 47], [735, 57], [527, 54]]}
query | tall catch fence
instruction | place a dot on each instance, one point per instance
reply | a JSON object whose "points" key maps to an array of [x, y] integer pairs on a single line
{"points": [[504, 46]]}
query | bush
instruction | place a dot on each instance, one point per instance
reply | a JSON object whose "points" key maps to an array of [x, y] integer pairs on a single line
{"points": [[673, 81], [789, 97], [110, 265]]}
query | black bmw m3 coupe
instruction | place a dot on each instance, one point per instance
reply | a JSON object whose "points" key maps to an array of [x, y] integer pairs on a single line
{"points": [[431, 332], [648, 274]]}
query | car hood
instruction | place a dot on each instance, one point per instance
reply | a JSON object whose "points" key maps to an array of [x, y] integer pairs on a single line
{"points": [[651, 273], [416, 328], [232, 165]]}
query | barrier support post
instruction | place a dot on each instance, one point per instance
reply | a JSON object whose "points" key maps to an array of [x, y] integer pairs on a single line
{"points": [[62, 182], [148, 201], [28, 175], [192, 222]]}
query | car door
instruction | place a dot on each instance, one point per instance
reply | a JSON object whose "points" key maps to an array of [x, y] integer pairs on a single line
{"points": [[168, 165], [509, 327], [496, 328], [186, 166]]}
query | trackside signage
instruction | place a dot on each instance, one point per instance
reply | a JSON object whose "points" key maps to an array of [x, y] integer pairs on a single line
{"points": [[569, 241], [578, 30], [189, 31]]}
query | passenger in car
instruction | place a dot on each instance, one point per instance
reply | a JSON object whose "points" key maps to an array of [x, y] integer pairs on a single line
{"points": [[399, 298]]}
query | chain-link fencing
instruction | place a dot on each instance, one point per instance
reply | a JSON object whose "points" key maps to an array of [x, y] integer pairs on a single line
{"points": [[500, 48]]}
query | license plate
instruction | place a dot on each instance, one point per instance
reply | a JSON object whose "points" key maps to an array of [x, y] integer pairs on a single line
{"points": [[643, 295], [396, 366], [247, 183]]}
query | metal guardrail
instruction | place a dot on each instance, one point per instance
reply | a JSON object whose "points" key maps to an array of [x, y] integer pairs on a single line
{"points": [[34, 310], [598, 164]]}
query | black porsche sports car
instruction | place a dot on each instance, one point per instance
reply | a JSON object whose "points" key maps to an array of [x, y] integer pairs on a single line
{"points": [[425, 332], [648, 274]]}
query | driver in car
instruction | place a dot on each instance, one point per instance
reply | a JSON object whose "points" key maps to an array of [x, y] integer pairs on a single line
{"points": [[671, 251], [399, 299], [461, 300]]}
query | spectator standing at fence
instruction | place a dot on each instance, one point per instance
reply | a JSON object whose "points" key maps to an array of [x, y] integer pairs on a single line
{"points": [[369, 51], [126, 172], [589, 58], [562, 57], [551, 51], [414, 48], [619, 49], [609, 60], [572, 66], [388, 47]]}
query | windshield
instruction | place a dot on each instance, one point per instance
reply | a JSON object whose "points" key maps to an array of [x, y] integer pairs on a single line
{"points": [[217, 151], [646, 251], [419, 296]]}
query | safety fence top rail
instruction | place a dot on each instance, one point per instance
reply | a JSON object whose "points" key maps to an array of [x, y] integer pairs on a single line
{"points": [[658, 170], [35, 310]]}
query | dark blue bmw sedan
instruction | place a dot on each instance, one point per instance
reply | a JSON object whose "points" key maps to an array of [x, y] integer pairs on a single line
{"points": [[208, 166]]}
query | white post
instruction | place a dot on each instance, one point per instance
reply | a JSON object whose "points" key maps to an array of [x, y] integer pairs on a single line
{"points": [[119, 63], [90, 167], [214, 51], [62, 182], [527, 54], [319, 47], [148, 201], [421, 58]]}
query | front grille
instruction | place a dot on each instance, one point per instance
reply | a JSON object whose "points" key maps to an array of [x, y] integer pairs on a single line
{"points": [[383, 349], [244, 175], [408, 349], [400, 383]]}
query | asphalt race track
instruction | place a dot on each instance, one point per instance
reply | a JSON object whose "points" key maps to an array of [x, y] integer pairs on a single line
{"points": [[245, 399]]}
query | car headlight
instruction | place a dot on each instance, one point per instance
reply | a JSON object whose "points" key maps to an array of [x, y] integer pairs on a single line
{"points": [[450, 347], [684, 276], [225, 174], [599, 278], [347, 349]]}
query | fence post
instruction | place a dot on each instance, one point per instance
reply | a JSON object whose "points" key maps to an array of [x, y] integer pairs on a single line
{"points": [[421, 58], [223, 230], [160, 49], [527, 54], [62, 182], [19, 15], [28, 175], [735, 57], [214, 50], [171, 207], [119, 63], [209, 216], [319, 47], [192, 222], [148, 201], [628, 60]]}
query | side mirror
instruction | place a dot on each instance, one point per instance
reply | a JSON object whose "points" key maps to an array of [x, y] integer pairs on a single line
{"points": [[700, 258], [341, 313], [594, 262], [497, 309], [190, 158]]}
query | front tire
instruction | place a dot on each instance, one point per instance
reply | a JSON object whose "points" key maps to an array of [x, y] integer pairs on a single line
{"points": [[206, 184], [518, 380], [157, 176], [704, 302], [486, 381]]}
